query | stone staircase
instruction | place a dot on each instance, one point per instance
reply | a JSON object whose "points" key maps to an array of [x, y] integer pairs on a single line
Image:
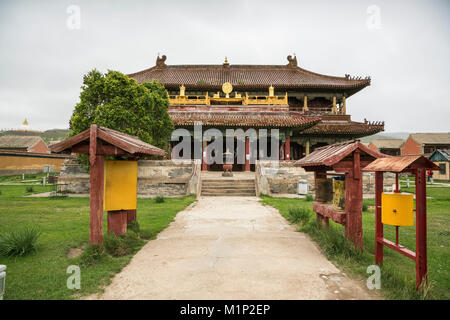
{"points": [[228, 187]]}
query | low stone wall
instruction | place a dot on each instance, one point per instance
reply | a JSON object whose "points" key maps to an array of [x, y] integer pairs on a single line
{"points": [[155, 177], [282, 178], [164, 177]]}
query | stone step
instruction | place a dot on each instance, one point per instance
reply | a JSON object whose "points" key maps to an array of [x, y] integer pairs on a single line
{"points": [[228, 187], [219, 185], [230, 194], [224, 181]]}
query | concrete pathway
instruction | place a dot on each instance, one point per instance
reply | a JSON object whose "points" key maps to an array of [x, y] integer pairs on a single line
{"points": [[231, 248]]}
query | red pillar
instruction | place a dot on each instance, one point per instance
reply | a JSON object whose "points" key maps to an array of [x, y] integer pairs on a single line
{"points": [[131, 215], [421, 227], [117, 221], [204, 164], [247, 154], [378, 225], [287, 149], [96, 190]]}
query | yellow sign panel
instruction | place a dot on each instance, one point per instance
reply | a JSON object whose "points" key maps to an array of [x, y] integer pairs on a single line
{"points": [[397, 209], [120, 191], [339, 193]]}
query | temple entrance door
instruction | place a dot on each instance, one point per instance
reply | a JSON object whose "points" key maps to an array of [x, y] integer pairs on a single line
{"points": [[238, 164]]}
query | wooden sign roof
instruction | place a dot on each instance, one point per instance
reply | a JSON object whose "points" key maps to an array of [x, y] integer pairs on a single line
{"points": [[400, 164], [113, 143], [334, 153]]}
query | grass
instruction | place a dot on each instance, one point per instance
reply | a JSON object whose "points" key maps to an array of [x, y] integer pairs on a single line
{"points": [[64, 224], [19, 242], [18, 178], [398, 272]]}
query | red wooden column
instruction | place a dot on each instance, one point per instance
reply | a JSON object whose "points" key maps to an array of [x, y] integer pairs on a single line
{"points": [[354, 202], [287, 149], [421, 227], [117, 221], [247, 154], [131, 215], [96, 190], [204, 163], [378, 225]]}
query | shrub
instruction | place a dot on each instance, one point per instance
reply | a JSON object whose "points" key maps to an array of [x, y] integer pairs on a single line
{"points": [[114, 245], [309, 197], [30, 189], [131, 240], [19, 242], [92, 255], [365, 207], [122, 245], [134, 226], [299, 215], [159, 199], [146, 234], [333, 241]]}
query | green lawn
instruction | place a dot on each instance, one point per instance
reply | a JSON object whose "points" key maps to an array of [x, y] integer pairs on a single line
{"points": [[64, 224], [398, 272]]}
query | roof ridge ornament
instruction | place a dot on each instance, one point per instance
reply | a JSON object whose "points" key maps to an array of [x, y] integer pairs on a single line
{"points": [[292, 61], [160, 62], [226, 64]]}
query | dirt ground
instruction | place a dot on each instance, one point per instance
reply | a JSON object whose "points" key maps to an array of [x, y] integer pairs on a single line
{"points": [[231, 248]]}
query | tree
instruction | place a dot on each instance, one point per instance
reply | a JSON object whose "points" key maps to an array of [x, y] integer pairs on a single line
{"points": [[117, 102]]}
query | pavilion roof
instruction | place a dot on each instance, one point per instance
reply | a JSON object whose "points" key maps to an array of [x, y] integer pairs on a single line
{"points": [[400, 163], [334, 153], [243, 118], [245, 77], [130, 144]]}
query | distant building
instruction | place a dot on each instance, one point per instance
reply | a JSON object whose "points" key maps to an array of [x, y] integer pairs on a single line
{"points": [[387, 146], [441, 157], [426, 143], [33, 144]]}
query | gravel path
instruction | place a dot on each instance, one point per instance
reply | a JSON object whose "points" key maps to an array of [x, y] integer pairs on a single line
{"points": [[231, 248]]}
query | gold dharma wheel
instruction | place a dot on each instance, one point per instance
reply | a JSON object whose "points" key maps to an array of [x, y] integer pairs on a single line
{"points": [[227, 88]]}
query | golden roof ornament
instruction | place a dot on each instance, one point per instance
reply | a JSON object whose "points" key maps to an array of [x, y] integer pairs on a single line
{"points": [[226, 64]]}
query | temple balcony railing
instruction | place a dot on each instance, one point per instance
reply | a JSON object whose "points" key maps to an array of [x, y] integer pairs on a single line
{"points": [[265, 100], [237, 99], [189, 100]]}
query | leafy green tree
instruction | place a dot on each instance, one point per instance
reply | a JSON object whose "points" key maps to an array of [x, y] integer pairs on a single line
{"points": [[115, 101]]}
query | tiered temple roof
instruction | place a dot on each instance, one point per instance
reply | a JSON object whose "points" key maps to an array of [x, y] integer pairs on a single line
{"points": [[245, 77], [289, 79], [243, 118]]}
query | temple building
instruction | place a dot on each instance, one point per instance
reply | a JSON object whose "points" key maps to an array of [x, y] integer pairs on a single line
{"points": [[309, 109]]}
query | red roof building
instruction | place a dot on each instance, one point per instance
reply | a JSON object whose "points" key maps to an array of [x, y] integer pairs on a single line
{"points": [[308, 108]]}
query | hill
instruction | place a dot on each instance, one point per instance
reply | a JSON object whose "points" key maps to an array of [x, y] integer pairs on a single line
{"points": [[47, 136]]}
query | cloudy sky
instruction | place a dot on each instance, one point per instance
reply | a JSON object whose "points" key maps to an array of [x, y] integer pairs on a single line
{"points": [[402, 45]]}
